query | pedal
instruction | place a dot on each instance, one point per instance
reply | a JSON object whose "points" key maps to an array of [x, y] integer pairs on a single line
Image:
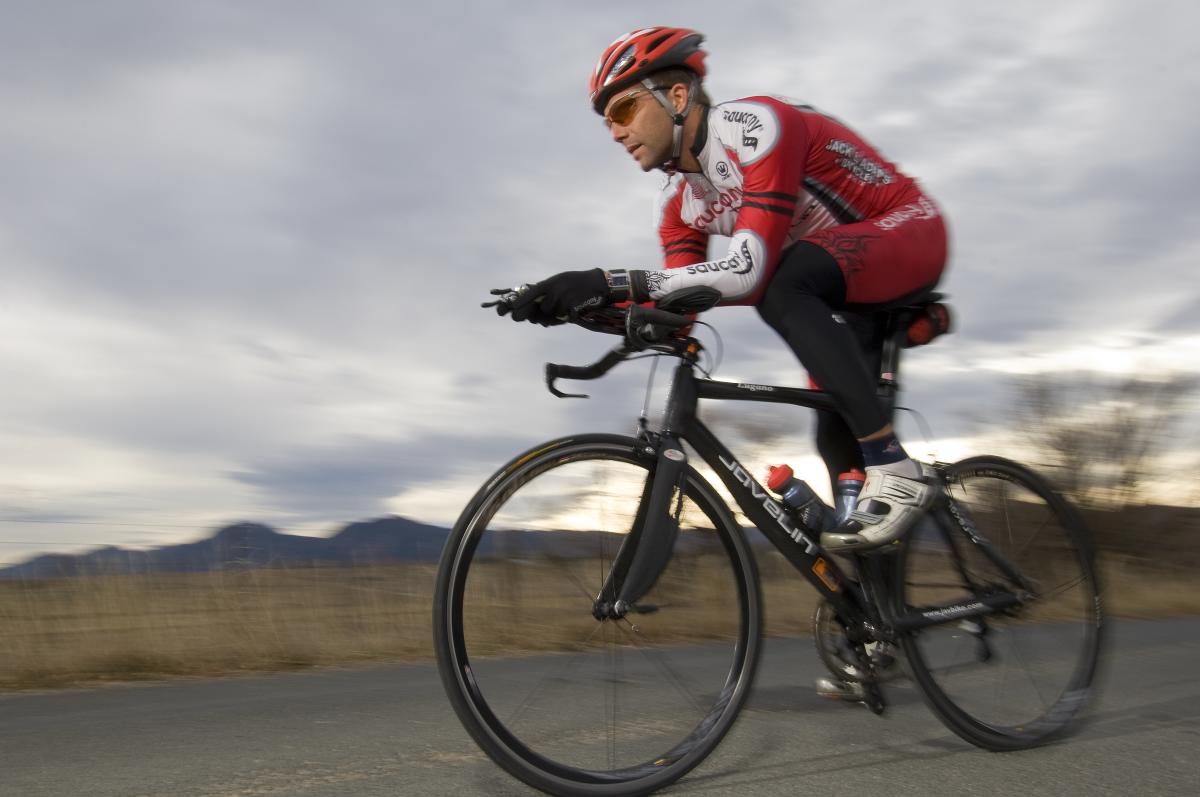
{"points": [[849, 691]]}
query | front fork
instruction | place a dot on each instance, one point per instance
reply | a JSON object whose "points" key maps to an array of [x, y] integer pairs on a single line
{"points": [[646, 550]]}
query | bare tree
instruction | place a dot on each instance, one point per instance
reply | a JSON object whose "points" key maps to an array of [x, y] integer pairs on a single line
{"points": [[1104, 436]]}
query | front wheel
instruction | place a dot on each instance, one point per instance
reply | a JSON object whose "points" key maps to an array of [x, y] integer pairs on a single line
{"points": [[563, 696], [1019, 677]]}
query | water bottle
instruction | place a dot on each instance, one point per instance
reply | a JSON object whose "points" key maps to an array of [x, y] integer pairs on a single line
{"points": [[849, 485], [934, 320], [799, 497]]}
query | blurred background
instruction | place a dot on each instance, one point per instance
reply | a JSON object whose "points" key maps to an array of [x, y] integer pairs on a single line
{"points": [[244, 245]]}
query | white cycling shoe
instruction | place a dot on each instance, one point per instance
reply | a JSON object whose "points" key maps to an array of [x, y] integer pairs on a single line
{"points": [[834, 689], [889, 505]]}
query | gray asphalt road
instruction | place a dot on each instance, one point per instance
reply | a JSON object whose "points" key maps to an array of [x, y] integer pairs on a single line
{"points": [[389, 731]]}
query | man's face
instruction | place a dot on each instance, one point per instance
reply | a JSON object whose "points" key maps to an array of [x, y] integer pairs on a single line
{"points": [[638, 122]]}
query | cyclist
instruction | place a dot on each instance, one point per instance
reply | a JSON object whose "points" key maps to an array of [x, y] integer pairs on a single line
{"points": [[820, 225]]}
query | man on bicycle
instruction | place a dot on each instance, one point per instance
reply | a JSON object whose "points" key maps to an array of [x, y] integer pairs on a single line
{"points": [[820, 226]]}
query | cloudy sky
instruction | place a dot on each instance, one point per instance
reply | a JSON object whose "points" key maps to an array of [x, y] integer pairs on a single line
{"points": [[242, 245]]}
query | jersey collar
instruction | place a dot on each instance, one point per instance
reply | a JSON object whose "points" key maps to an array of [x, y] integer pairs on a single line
{"points": [[701, 133]]}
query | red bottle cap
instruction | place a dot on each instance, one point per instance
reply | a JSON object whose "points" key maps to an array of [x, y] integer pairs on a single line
{"points": [[853, 474], [778, 476]]}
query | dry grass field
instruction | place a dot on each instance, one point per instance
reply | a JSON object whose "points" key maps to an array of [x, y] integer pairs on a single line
{"points": [[62, 631], [87, 629]]}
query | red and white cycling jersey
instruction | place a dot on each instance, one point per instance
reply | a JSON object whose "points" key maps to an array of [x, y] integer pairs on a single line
{"points": [[773, 171]]}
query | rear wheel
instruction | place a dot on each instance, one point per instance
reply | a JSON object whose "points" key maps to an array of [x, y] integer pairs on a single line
{"points": [[566, 702], [1016, 678]]}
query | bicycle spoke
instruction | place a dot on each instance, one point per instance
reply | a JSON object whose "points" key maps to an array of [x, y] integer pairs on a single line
{"points": [[565, 663], [1004, 661], [1021, 660], [1059, 590], [563, 566], [1032, 537], [612, 651], [1007, 514], [659, 661]]}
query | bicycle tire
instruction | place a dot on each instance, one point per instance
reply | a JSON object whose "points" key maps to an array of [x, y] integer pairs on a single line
{"points": [[613, 732], [1060, 632]]}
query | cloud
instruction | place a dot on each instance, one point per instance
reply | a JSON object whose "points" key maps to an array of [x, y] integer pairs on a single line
{"points": [[355, 478], [244, 245], [1185, 319]]}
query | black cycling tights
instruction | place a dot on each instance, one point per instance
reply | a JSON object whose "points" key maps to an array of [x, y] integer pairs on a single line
{"points": [[841, 353]]}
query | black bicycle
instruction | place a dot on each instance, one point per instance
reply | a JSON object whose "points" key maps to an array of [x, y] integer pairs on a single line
{"points": [[597, 616]]}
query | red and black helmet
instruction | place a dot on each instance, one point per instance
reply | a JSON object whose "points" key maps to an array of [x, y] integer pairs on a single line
{"points": [[644, 51]]}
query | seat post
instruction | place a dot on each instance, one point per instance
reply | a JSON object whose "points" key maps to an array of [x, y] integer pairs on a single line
{"points": [[899, 320], [889, 361]]}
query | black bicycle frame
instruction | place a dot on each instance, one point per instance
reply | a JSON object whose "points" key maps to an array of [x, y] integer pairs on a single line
{"points": [[648, 548], [798, 543]]}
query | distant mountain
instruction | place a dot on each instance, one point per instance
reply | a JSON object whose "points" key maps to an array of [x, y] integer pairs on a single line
{"points": [[389, 538], [249, 545]]}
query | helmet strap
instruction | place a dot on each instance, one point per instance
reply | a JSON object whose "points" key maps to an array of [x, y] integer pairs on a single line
{"points": [[677, 118]]}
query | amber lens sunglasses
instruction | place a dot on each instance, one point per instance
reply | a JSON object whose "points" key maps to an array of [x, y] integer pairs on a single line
{"points": [[624, 109]]}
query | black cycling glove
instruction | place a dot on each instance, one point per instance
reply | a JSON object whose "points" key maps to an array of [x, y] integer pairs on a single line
{"points": [[563, 295]]}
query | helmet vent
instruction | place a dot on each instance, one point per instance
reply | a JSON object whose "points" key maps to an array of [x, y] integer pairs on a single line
{"points": [[654, 44], [623, 62]]}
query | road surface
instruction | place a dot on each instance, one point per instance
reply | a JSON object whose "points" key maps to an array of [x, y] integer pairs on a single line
{"points": [[390, 731]]}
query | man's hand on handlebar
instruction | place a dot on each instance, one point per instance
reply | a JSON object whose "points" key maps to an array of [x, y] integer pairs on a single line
{"points": [[556, 299], [641, 326]]}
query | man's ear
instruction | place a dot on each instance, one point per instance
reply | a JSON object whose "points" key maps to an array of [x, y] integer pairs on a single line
{"points": [[679, 96]]}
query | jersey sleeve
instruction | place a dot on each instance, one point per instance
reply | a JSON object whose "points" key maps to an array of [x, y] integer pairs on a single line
{"points": [[682, 245], [769, 142], [772, 161]]}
